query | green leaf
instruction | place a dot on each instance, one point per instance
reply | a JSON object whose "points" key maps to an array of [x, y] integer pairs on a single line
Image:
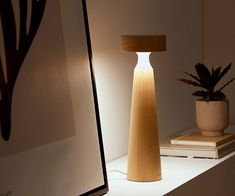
{"points": [[200, 94], [226, 69], [204, 75], [217, 72], [212, 70], [218, 95], [208, 80], [226, 84], [189, 82], [215, 75], [194, 77]]}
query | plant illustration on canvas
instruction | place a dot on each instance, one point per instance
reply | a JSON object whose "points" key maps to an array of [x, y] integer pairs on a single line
{"points": [[15, 46]]}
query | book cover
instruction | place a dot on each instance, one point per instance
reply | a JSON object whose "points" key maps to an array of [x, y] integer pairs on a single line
{"points": [[196, 151], [196, 138], [214, 152]]}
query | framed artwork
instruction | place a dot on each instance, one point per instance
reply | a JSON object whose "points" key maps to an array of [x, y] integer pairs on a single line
{"points": [[51, 141]]}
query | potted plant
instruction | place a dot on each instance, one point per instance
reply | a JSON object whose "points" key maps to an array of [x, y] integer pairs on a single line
{"points": [[212, 106]]}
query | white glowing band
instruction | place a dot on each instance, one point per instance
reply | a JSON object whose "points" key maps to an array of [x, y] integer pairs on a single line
{"points": [[143, 62]]}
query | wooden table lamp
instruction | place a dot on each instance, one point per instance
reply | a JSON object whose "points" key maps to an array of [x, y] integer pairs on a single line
{"points": [[143, 150]]}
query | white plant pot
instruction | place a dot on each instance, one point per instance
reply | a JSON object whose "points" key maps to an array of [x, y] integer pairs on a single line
{"points": [[212, 117]]}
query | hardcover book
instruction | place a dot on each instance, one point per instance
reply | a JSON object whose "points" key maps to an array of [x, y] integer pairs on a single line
{"points": [[167, 149], [196, 138], [214, 151]]}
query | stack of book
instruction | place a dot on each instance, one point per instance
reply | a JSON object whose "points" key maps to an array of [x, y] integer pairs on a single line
{"points": [[194, 144]]}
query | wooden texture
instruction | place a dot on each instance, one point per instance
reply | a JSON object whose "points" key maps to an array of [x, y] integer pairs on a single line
{"points": [[143, 152], [143, 43]]}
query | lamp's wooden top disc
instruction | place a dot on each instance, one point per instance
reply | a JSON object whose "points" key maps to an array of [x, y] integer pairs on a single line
{"points": [[143, 43]]}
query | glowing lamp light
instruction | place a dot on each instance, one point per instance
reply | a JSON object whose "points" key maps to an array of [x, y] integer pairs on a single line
{"points": [[144, 163], [143, 62]]}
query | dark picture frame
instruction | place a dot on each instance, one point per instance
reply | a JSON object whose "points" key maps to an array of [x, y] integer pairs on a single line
{"points": [[103, 189]]}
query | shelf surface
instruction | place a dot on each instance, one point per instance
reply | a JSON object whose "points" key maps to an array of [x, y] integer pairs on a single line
{"points": [[175, 172]]}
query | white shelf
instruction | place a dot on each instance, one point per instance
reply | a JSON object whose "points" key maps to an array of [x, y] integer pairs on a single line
{"points": [[175, 172]]}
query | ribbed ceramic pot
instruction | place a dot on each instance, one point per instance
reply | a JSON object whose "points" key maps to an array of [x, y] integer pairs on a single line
{"points": [[212, 117]]}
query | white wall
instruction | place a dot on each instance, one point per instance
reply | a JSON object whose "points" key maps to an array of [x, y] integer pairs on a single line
{"points": [[181, 22], [219, 41]]}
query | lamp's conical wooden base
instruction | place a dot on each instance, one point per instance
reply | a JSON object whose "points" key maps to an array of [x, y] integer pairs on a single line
{"points": [[143, 150]]}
